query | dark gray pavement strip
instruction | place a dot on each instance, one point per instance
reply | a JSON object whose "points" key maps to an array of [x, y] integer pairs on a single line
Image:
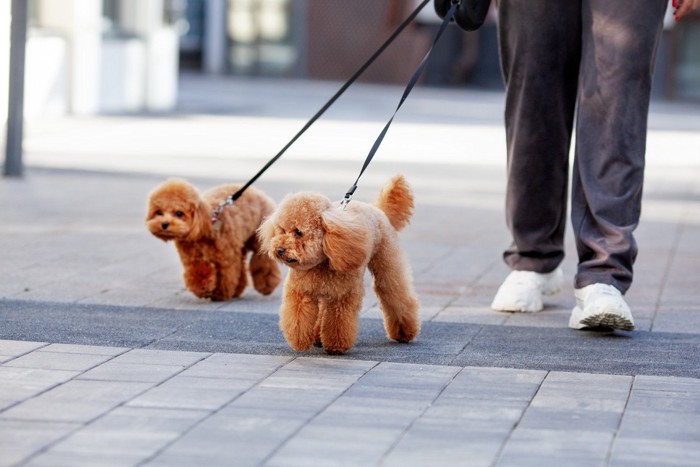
{"points": [[635, 353]]}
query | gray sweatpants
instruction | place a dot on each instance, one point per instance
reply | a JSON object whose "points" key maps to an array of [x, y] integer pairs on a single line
{"points": [[592, 59]]}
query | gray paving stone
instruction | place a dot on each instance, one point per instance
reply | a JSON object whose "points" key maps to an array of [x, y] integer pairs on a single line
{"points": [[182, 392], [529, 447], [18, 375], [677, 319], [414, 377], [69, 288], [127, 295], [661, 425], [319, 373], [369, 426], [159, 357], [445, 441], [317, 446], [19, 384], [654, 452], [124, 436], [131, 372], [665, 385], [543, 418], [255, 424], [426, 313], [236, 366], [487, 414], [487, 398], [21, 439], [11, 348], [252, 302], [183, 300], [79, 459], [76, 401], [238, 436], [381, 412], [579, 392], [286, 401], [475, 314], [85, 349], [669, 401], [489, 383], [58, 361], [211, 383]]}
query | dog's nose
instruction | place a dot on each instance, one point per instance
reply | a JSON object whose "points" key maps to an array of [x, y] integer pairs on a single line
{"points": [[280, 251], [165, 225]]}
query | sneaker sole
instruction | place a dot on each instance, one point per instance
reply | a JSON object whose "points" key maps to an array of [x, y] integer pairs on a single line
{"points": [[551, 291], [513, 309], [610, 321]]}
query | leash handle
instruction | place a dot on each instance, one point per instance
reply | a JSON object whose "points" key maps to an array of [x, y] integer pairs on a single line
{"points": [[231, 199], [409, 87]]}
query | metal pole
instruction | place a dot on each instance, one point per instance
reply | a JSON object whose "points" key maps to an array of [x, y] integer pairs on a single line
{"points": [[15, 109]]}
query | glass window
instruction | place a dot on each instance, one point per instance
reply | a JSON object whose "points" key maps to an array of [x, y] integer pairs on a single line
{"points": [[261, 39]]}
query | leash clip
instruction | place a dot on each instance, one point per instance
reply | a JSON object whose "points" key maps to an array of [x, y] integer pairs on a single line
{"points": [[216, 222], [344, 202], [348, 196]]}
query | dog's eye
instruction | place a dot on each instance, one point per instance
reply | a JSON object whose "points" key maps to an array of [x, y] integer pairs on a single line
{"points": [[298, 233], [179, 213], [159, 212]]}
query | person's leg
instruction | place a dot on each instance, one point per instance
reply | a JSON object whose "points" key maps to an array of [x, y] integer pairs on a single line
{"points": [[617, 63], [539, 44], [618, 52]]}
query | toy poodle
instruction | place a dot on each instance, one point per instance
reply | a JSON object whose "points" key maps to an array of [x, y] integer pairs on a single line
{"points": [[327, 250], [214, 260]]}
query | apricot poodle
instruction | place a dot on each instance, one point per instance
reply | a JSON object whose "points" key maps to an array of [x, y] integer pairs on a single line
{"points": [[214, 260], [328, 249]]}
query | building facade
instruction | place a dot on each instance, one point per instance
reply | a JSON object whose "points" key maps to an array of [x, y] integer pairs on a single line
{"points": [[329, 39], [96, 56], [110, 56]]}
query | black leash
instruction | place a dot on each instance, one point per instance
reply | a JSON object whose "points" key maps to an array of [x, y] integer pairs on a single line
{"points": [[232, 199], [409, 87]]}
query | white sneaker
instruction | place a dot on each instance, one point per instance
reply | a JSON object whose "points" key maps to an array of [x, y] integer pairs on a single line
{"points": [[523, 290], [601, 306]]}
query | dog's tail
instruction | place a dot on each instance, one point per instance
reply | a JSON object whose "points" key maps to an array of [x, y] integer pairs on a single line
{"points": [[396, 200]]}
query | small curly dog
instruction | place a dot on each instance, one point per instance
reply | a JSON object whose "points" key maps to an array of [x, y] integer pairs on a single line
{"points": [[328, 249], [214, 260]]}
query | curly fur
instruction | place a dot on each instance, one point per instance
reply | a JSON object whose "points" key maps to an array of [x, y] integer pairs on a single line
{"points": [[328, 250], [214, 261]]}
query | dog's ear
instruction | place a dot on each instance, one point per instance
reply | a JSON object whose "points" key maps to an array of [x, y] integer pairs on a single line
{"points": [[346, 240], [200, 226], [265, 233]]}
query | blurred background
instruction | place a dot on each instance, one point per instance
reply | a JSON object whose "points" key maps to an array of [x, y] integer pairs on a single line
{"points": [[88, 57]]}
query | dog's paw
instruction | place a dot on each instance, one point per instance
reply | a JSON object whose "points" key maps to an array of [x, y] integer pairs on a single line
{"points": [[403, 332], [299, 341], [266, 284], [335, 351], [200, 279], [300, 346], [338, 345], [266, 275]]}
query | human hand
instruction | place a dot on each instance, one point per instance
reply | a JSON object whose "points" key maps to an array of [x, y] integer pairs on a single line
{"points": [[682, 7]]}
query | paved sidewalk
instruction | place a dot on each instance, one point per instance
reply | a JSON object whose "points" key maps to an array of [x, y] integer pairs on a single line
{"points": [[105, 359]]}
